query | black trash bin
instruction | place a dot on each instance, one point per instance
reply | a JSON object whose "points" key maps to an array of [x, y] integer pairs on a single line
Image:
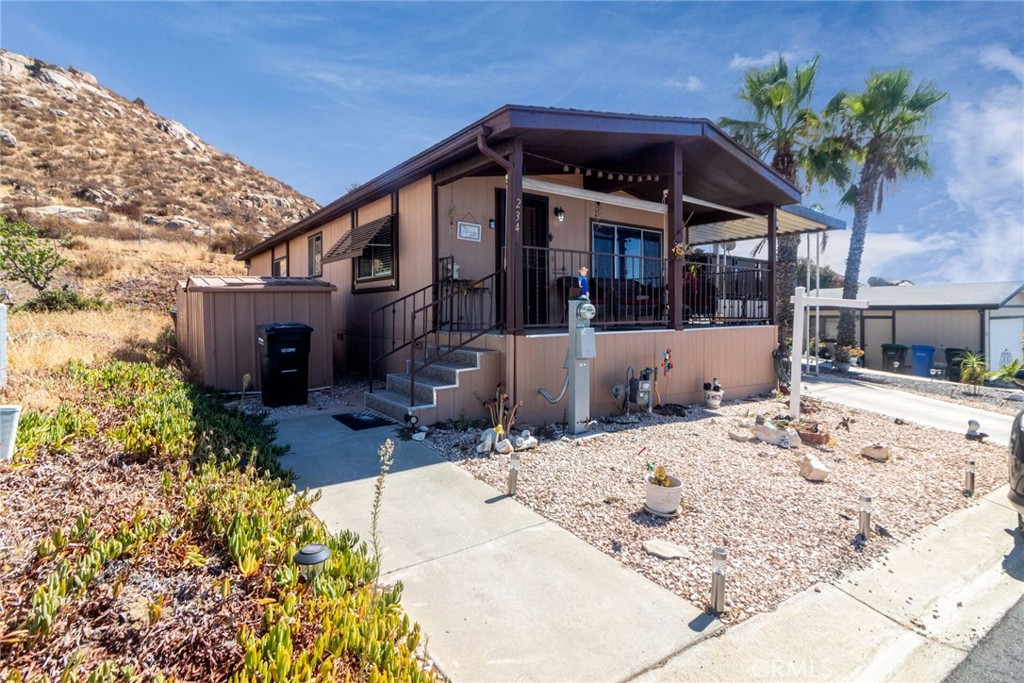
{"points": [[953, 363], [284, 363], [894, 358]]}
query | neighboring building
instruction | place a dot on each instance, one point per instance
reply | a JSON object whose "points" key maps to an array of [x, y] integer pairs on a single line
{"points": [[982, 316], [476, 243]]}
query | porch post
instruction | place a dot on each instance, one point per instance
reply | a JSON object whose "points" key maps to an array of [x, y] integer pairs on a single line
{"points": [[675, 234], [773, 281], [514, 241]]}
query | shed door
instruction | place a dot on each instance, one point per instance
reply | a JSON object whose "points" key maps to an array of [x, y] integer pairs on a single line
{"points": [[1003, 335]]}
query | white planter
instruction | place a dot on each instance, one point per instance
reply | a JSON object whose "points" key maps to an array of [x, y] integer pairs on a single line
{"points": [[664, 500], [841, 366], [713, 399], [8, 430]]}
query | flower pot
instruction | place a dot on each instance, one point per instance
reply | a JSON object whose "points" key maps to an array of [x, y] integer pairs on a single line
{"points": [[713, 399], [816, 438], [664, 500], [8, 430], [842, 367]]}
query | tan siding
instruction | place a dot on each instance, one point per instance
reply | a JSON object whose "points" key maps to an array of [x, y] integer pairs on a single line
{"points": [[740, 357], [946, 328], [261, 265]]}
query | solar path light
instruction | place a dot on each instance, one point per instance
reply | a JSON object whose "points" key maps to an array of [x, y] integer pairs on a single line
{"points": [[864, 528], [969, 478], [513, 474], [719, 558], [312, 559]]}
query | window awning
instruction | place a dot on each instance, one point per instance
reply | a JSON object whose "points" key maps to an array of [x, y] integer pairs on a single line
{"points": [[353, 242]]}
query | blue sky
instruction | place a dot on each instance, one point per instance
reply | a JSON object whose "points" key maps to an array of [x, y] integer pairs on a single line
{"points": [[323, 95]]}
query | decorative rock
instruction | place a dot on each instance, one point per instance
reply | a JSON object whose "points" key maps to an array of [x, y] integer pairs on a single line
{"points": [[1015, 396], [813, 469], [504, 447], [878, 452], [775, 435], [424, 429], [526, 444], [664, 549], [739, 436], [419, 436], [487, 438], [745, 423]]}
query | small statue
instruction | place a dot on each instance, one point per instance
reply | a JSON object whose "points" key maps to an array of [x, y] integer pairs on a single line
{"points": [[584, 284]]}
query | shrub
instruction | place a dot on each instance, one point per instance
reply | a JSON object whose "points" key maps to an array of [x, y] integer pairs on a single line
{"points": [[972, 368], [27, 255], [54, 300]]}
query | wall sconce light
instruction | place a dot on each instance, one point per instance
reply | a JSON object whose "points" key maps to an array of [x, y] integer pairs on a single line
{"points": [[559, 214], [864, 527], [312, 559], [969, 478], [719, 560], [491, 224]]}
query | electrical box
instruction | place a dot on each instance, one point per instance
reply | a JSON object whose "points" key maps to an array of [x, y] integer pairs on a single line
{"points": [[586, 344]]}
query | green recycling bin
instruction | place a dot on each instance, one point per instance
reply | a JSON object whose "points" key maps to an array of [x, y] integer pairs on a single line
{"points": [[894, 358]]}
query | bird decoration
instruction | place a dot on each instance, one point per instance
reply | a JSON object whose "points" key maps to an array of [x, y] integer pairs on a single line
{"points": [[707, 386], [715, 386], [666, 362], [972, 431]]}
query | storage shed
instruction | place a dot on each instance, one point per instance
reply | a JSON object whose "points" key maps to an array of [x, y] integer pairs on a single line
{"points": [[217, 319]]}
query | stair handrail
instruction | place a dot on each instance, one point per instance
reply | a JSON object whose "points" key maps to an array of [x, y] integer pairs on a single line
{"points": [[394, 305], [492, 279]]}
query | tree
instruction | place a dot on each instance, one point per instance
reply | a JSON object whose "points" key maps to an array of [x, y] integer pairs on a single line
{"points": [[829, 277], [883, 130], [27, 256], [784, 127]]}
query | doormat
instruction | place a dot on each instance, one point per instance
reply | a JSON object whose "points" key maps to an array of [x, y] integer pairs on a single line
{"points": [[362, 420]]}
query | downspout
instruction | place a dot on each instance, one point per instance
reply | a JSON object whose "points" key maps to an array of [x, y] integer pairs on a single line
{"points": [[481, 144], [981, 335]]}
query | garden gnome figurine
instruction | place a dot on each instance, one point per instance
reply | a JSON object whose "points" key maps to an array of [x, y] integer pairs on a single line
{"points": [[584, 284]]}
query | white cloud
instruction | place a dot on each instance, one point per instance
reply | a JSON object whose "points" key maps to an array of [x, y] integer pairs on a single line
{"points": [[741, 62], [691, 84], [987, 182]]}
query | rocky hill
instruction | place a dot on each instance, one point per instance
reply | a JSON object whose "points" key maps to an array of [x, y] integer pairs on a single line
{"points": [[75, 154]]}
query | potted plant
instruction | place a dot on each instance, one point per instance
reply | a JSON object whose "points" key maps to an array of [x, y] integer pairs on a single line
{"points": [[810, 432], [663, 491], [845, 355]]}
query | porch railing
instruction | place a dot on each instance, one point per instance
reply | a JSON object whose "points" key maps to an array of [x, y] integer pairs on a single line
{"points": [[389, 327], [632, 290]]}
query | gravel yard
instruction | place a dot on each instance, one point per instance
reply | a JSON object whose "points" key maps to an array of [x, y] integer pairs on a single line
{"points": [[783, 533]]}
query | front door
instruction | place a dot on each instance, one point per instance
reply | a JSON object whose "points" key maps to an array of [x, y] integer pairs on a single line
{"points": [[535, 256]]}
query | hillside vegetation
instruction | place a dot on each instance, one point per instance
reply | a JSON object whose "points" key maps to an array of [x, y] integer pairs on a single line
{"points": [[75, 154]]}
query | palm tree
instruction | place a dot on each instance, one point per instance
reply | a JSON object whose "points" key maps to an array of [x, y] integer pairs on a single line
{"points": [[883, 130], [785, 128]]}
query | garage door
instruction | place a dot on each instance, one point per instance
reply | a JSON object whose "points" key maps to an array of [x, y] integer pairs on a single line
{"points": [[1003, 335]]}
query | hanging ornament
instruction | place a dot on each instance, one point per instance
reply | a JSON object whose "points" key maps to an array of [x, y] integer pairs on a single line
{"points": [[565, 168]]}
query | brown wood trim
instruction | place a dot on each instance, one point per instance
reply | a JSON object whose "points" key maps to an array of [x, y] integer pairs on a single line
{"points": [[514, 241], [676, 221], [773, 281]]}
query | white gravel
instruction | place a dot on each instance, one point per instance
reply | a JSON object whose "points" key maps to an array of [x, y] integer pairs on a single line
{"points": [[783, 533]]}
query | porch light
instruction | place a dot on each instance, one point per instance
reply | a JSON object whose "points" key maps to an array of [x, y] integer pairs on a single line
{"points": [[312, 559], [719, 560], [864, 527], [559, 214], [513, 473], [969, 478]]}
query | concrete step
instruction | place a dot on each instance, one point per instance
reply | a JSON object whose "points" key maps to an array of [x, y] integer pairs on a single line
{"points": [[396, 406], [467, 357], [426, 386]]}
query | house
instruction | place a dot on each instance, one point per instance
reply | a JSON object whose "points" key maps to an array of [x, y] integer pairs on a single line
{"points": [[980, 316], [454, 268]]}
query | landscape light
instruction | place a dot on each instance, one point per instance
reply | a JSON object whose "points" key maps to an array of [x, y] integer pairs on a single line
{"points": [[865, 516], [513, 473], [969, 478], [312, 559], [719, 560]]}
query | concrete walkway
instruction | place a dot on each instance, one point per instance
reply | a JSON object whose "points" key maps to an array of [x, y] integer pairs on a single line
{"points": [[502, 593], [911, 407]]}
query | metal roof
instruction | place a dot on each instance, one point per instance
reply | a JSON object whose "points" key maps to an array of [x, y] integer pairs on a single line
{"points": [[218, 283], [959, 295]]}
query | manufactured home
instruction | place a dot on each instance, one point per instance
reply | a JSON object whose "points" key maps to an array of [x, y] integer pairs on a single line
{"points": [[453, 269]]}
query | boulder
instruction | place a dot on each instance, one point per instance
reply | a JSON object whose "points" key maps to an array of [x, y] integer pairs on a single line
{"points": [[664, 549], [419, 436], [878, 452], [487, 438], [58, 77], [813, 469], [27, 102], [71, 212], [1015, 396], [504, 447], [776, 435], [179, 222], [59, 113], [7, 138]]}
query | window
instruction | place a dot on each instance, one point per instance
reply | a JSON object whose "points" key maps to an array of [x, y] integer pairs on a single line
{"points": [[377, 258], [632, 254], [316, 252], [280, 268]]}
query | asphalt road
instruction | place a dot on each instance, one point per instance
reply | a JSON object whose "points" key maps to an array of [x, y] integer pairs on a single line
{"points": [[999, 656]]}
